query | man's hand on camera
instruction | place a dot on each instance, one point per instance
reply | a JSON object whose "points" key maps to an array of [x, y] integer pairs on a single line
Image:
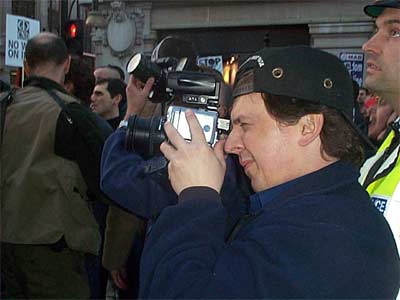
{"points": [[193, 163], [137, 94]]}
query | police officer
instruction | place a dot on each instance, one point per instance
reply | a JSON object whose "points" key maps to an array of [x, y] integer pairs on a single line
{"points": [[380, 175]]}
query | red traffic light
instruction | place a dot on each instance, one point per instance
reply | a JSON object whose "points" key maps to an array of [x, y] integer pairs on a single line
{"points": [[74, 36], [72, 31]]}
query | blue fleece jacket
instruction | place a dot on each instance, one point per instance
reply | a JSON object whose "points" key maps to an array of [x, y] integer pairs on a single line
{"points": [[142, 188], [318, 236]]}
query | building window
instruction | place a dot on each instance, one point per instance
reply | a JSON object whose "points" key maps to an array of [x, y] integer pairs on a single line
{"points": [[25, 8]]}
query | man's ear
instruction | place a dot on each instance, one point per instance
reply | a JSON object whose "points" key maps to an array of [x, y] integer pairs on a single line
{"points": [[27, 68], [69, 86], [310, 128], [117, 99], [67, 64]]}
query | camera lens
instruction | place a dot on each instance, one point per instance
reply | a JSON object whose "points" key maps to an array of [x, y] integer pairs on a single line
{"points": [[143, 68], [144, 136]]}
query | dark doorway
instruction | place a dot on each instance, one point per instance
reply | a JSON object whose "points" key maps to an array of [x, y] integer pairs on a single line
{"points": [[241, 41]]}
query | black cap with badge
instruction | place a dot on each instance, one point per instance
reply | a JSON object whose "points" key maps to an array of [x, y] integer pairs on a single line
{"points": [[375, 9], [300, 72]]}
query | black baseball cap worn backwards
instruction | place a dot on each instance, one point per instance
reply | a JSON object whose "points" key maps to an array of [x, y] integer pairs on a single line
{"points": [[299, 72], [375, 9]]}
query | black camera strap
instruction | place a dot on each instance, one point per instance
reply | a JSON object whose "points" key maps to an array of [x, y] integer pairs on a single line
{"points": [[5, 101], [62, 104], [162, 109], [49, 86], [65, 111]]}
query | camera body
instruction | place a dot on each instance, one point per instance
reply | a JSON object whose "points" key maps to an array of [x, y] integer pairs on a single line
{"points": [[207, 119], [199, 91]]}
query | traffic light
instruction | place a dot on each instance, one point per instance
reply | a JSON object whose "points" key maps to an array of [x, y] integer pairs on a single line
{"points": [[74, 36]]}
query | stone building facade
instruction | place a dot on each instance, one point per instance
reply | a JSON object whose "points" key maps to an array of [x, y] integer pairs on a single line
{"points": [[218, 27]]}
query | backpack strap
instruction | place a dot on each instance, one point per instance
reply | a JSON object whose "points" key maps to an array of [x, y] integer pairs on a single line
{"points": [[63, 106], [5, 101]]}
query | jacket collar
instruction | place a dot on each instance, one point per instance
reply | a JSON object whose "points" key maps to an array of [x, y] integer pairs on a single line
{"points": [[44, 83], [326, 179], [395, 125]]}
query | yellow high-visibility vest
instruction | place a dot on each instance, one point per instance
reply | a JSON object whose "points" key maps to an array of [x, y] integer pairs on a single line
{"points": [[385, 191]]}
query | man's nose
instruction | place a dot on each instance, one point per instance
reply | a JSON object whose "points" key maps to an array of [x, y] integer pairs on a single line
{"points": [[373, 45], [233, 144]]}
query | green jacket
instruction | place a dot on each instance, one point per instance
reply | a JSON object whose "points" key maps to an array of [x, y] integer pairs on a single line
{"points": [[43, 195]]}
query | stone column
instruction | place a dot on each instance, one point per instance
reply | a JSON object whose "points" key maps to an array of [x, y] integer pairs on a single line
{"points": [[42, 14], [127, 32], [149, 36]]}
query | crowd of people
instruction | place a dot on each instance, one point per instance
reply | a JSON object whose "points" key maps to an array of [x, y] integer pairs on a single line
{"points": [[286, 205], [376, 114]]}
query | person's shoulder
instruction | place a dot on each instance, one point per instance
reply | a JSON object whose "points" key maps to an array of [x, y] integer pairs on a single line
{"points": [[73, 105], [68, 98], [86, 119], [33, 97]]}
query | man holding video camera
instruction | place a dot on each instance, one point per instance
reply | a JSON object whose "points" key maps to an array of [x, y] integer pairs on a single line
{"points": [[133, 169], [141, 185], [310, 230], [137, 184]]}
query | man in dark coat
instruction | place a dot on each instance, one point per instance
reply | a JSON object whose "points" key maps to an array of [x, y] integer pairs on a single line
{"points": [[310, 231]]}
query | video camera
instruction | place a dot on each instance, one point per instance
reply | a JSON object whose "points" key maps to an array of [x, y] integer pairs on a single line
{"points": [[174, 76]]}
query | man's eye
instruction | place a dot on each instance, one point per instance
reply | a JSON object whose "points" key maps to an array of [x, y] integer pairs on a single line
{"points": [[395, 33]]}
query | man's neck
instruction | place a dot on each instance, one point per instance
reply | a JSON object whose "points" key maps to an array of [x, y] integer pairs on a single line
{"points": [[393, 99], [111, 115], [45, 83], [396, 103], [55, 75]]}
